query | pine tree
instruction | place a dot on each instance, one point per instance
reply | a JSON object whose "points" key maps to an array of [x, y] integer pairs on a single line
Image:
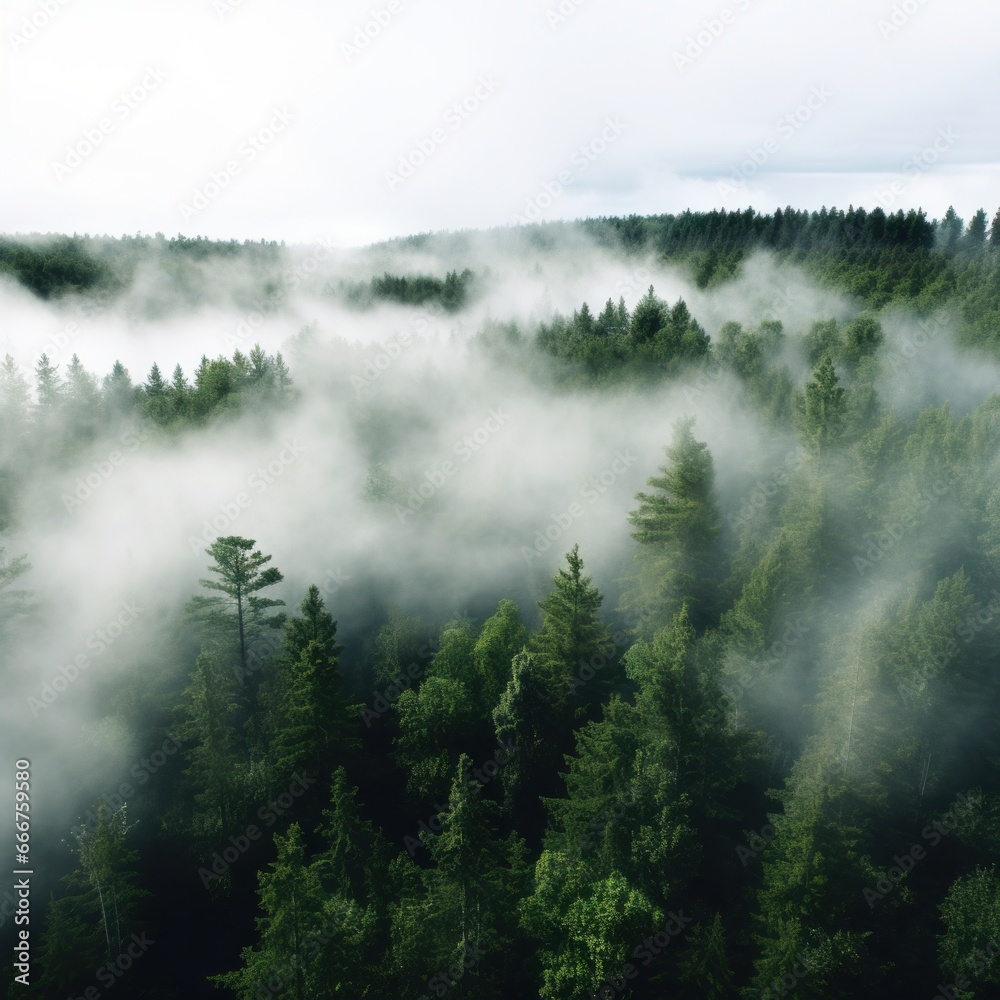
{"points": [[157, 403], [521, 721], [677, 525], [119, 392], [681, 709], [82, 400], [313, 722], [571, 639], [399, 643], [822, 410], [355, 859], [649, 317], [15, 402], [14, 604], [71, 948], [950, 230], [436, 723], [450, 925], [975, 235], [291, 897], [500, 639], [240, 616], [48, 390], [179, 393], [705, 963], [104, 872], [215, 750], [995, 231]]}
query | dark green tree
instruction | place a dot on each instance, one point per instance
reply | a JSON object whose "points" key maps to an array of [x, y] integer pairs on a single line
{"points": [[104, 872], [677, 525], [240, 615], [821, 414], [313, 723], [572, 638]]}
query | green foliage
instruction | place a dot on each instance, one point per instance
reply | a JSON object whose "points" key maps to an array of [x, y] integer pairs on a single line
{"points": [[676, 525], [571, 636], [105, 876], [452, 293], [312, 723], [239, 618], [822, 409], [970, 946]]}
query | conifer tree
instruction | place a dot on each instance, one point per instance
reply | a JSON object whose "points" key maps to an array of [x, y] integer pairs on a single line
{"points": [[677, 525], [240, 616], [571, 639], [313, 723], [822, 409]]}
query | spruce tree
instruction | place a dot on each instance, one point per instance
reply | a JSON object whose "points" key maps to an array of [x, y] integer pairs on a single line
{"points": [[677, 525]]}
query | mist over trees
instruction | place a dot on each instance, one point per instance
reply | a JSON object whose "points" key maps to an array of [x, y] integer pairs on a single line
{"points": [[664, 661]]}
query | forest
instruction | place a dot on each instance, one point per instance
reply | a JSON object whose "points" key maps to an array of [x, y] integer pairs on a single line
{"points": [[589, 609]]}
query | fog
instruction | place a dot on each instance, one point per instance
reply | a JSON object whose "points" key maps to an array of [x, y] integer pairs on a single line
{"points": [[506, 473]]}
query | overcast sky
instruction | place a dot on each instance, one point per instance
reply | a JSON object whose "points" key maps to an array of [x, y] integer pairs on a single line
{"points": [[358, 120]]}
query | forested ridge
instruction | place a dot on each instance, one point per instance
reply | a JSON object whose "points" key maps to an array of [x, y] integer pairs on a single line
{"points": [[760, 761]]}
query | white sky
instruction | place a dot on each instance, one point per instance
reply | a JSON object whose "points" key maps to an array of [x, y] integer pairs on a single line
{"points": [[223, 68]]}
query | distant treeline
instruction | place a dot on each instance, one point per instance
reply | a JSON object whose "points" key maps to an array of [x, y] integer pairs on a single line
{"points": [[53, 265], [881, 257], [453, 292]]}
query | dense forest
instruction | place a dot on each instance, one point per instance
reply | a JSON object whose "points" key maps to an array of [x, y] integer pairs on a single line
{"points": [[751, 751]]}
